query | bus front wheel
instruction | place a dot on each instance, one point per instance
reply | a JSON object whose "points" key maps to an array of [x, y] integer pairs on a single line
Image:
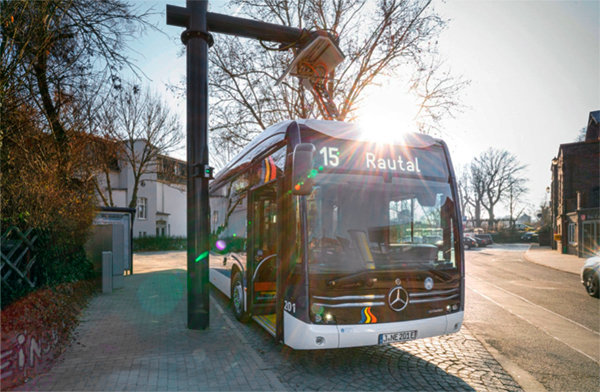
{"points": [[237, 298]]}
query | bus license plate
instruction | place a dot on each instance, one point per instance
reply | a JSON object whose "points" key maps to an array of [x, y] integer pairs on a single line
{"points": [[395, 337]]}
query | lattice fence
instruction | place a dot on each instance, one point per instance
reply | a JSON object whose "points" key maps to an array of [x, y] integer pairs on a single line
{"points": [[18, 256]]}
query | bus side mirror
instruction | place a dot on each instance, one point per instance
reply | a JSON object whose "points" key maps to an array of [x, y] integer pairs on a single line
{"points": [[302, 181]]}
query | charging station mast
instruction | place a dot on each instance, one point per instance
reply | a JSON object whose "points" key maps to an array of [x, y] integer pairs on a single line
{"points": [[198, 24]]}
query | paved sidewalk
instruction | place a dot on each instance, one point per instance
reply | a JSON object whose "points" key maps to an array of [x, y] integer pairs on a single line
{"points": [[544, 255], [136, 339]]}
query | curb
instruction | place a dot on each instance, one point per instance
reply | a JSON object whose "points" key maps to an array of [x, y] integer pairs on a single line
{"points": [[278, 386], [521, 376], [531, 260]]}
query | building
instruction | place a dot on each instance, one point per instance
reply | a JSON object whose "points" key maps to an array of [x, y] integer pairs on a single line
{"points": [[161, 196], [575, 193]]}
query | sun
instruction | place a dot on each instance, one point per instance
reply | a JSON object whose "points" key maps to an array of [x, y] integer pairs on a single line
{"points": [[388, 112]]}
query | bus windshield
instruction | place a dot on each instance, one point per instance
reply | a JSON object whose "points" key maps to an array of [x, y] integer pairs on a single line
{"points": [[363, 222]]}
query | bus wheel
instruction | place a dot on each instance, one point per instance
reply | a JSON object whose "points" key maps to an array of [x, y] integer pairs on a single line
{"points": [[237, 298]]}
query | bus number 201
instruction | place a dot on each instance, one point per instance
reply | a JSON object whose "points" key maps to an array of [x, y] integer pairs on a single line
{"points": [[331, 156], [289, 306]]}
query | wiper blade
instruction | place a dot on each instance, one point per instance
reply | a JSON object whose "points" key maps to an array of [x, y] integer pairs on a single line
{"points": [[354, 278]]}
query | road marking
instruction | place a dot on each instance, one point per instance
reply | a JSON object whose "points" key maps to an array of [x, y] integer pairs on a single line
{"points": [[536, 305], [529, 322], [550, 328]]}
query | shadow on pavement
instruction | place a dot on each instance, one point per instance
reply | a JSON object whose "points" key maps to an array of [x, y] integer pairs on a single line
{"points": [[414, 366]]}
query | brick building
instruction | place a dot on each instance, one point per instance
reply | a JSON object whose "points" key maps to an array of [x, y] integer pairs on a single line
{"points": [[576, 193]]}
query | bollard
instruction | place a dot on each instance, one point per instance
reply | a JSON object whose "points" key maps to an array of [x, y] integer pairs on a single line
{"points": [[107, 264]]}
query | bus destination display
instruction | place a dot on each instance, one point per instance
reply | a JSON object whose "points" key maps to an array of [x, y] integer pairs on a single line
{"points": [[368, 157]]}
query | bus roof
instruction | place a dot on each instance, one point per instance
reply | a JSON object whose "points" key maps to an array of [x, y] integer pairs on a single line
{"points": [[335, 129]]}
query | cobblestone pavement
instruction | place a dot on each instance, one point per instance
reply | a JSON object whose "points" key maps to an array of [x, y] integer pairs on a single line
{"points": [[448, 363]]}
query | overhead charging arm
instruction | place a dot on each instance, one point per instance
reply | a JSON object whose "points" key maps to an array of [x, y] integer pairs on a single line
{"points": [[241, 27], [285, 35]]}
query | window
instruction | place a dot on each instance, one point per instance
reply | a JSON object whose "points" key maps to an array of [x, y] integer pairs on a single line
{"points": [[571, 237], [358, 222], [142, 212]]}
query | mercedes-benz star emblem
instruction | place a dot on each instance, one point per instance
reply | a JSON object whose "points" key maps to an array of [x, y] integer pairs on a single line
{"points": [[428, 283], [398, 298]]}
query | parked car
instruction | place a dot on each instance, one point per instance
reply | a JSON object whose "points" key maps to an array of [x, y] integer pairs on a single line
{"points": [[479, 241], [530, 236], [589, 276], [469, 242], [485, 238]]}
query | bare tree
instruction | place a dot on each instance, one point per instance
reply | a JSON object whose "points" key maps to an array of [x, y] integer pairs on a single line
{"points": [[471, 188], [437, 90], [54, 50], [544, 215], [581, 135], [382, 39], [145, 129], [516, 206], [494, 172], [465, 193], [478, 185]]}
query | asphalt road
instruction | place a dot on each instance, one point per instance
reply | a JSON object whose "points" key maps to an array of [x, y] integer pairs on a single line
{"points": [[538, 318]]}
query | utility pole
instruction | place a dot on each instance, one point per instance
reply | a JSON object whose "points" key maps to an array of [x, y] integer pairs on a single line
{"points": [[198, 22]]}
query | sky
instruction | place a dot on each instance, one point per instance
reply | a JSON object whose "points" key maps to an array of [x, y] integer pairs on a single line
{"points": [[534, 68]]}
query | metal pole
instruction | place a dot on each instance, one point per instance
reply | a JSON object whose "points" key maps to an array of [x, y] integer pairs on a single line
{"points": [[197, 157], [197, 39]]}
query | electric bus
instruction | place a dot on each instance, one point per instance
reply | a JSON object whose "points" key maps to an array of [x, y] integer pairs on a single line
{"points": [[328, 239]]}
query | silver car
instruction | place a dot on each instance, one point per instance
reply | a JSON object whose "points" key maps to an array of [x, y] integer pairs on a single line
{"points": [[589, 276]]}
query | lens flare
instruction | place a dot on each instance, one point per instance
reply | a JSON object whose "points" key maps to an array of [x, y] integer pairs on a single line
{"points": [[220, 245]]}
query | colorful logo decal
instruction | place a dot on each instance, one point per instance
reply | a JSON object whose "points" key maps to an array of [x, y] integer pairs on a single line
{"points": [[367, 316]]}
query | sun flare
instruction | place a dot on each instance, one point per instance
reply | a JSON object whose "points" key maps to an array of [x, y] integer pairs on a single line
{"points": [[388, 113]]}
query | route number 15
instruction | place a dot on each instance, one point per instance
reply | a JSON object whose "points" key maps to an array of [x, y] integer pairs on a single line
{"points": [[331, 156]]}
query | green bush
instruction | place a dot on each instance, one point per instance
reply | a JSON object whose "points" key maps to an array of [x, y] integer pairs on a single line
{"points": [[507, 236], [56, 262], [61, 263], [151, 243]]}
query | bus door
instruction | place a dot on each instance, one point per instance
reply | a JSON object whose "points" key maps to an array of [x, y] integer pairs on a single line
{"points": [[262, 287]]}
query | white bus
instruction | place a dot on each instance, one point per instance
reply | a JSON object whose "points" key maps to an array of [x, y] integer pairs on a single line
{"points": [[328, 239]]}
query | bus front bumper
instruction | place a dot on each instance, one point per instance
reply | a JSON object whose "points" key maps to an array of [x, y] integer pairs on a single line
{"points": [[304, 336]]}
